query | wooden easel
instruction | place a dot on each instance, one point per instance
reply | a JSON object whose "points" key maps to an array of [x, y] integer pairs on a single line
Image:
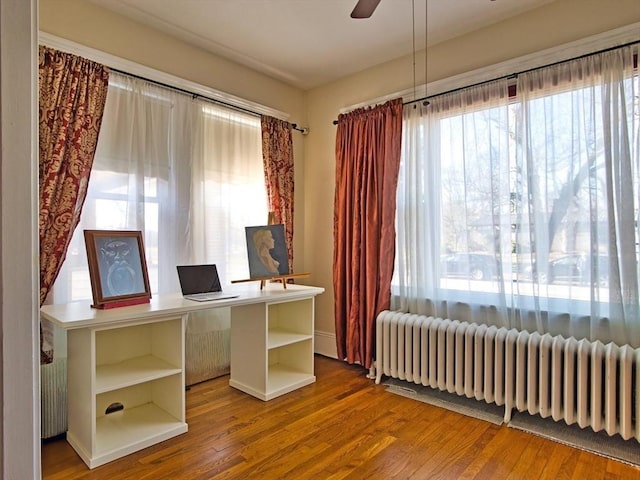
{"points": [[271, 220], [275, 278]]}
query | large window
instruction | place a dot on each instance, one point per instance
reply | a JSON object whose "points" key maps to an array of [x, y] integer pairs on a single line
{"points": [[522, 210], [185, 172]]}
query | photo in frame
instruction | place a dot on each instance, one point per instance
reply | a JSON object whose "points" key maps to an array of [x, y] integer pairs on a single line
{"points": [[117, 268], [267, 251]]}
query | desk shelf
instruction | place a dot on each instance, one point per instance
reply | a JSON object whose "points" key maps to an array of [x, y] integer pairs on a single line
{"points": [[132, 372], [136, 373], [283, 379], [140, 423], [121, 433], [280, 338], [271, 358]]}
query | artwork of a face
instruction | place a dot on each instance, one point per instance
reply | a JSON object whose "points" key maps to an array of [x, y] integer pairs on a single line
{"points": [[263, 242], [119, 256], [120, 274], [267, 251]]}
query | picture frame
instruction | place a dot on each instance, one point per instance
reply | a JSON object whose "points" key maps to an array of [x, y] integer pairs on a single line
{"points": [[267, 251], [117, 268]]}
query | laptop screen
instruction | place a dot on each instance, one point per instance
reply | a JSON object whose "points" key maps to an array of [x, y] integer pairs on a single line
{"points": [[198, 279]]}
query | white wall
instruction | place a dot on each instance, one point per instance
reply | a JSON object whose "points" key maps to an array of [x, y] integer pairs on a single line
{"points": [[20, 438]]}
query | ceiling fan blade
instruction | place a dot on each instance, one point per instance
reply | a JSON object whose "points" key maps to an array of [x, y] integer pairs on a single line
{"points": [[364, 8]]}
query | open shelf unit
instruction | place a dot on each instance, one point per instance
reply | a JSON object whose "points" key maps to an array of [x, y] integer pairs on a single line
{"points": [[126, 375], [126, 388], [273, 357]]}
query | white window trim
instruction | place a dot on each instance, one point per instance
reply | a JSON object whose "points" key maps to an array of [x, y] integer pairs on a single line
{"points": [[154, 75]]}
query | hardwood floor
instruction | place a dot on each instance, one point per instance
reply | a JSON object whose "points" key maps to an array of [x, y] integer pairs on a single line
{"points": [[342, 427]]}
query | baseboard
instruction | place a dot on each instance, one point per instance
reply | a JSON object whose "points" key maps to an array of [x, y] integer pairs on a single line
{"points": [[325, 344]]}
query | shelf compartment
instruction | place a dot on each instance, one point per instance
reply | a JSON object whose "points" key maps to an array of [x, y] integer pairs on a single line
{"points": [[153, 411], [290, 359], [166, 392], [116, 345], [280, 338], [132, 371], [283, 379], [294, 317], [272, 347], [129, 431]]}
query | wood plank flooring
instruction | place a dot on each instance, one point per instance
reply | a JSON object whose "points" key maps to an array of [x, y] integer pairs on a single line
{"points": [[342, 427]]}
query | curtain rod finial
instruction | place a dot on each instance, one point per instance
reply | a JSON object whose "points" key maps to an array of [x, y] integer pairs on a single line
{"points": [[302, 130]]}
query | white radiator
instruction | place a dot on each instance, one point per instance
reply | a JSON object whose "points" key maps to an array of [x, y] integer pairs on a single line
{"points": [[588, 383], [53, 398]]}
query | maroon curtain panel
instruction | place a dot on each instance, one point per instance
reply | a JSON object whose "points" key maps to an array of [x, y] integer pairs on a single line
{"points": [[72, 95], [367, 163], [277, 156]]}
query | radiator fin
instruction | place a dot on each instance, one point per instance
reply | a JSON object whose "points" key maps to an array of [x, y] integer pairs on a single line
{"points": [[575, 381], [53, 398]]}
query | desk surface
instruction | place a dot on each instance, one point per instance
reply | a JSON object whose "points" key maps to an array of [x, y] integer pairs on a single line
{"points": [[80, 314]]}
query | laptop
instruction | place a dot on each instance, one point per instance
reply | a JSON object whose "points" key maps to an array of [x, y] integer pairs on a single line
{"points": [[201, 283]]}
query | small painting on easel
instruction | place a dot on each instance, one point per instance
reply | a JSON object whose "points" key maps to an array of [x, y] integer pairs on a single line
{"points": [[267, 251]]}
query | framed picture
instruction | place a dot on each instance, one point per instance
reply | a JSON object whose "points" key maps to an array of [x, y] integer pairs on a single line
{"points": [[267, 251], [117, 268]]}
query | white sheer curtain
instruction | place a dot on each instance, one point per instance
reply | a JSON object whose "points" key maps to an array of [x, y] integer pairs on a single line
{"points": [[522, 210], [453, 199], [185, 172], [578, 133]]}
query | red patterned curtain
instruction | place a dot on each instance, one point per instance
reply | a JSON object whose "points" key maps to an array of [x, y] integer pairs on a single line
{"points": [[72, 94], [367, 163], [277, 155]]}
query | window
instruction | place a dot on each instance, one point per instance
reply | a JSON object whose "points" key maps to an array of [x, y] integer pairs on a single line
{"points": [[522, 210], [185, 172]]}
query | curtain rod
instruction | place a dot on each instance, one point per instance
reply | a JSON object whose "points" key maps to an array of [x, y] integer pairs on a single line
{"points": [[425, 99], [335, 122], [194, 95], [515, 75]]}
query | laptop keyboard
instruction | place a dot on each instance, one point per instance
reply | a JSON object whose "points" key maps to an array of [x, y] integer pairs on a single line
{"points": [[203, 297]]}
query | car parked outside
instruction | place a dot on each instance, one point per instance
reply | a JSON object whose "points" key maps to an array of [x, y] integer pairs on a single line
{"points": [[573, 268], [475, 266]]}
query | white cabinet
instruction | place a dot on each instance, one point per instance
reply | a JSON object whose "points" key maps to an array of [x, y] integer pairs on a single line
{"points": [[272, 347], [125, 388], [126, 365]]}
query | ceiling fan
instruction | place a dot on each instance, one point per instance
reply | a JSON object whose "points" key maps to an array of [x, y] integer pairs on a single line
{"points": [[364, 8]]}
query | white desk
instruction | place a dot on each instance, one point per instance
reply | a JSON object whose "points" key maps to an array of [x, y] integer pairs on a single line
{"points": [[134, 356]]}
